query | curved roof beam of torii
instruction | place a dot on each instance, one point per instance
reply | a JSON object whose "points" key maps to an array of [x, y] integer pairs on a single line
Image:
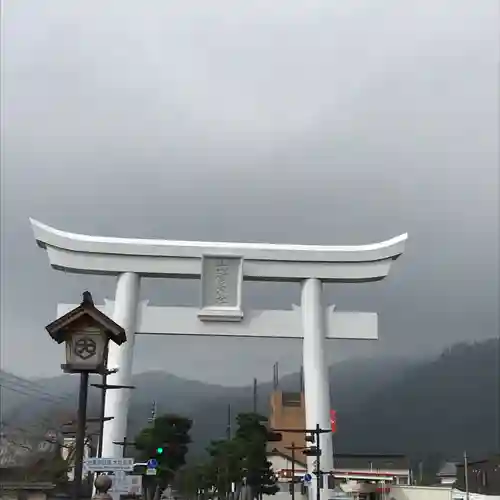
{"points": [[262, 261]]}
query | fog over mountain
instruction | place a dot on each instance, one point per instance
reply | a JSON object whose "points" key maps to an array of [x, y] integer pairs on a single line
{"points": [[428, 409]]}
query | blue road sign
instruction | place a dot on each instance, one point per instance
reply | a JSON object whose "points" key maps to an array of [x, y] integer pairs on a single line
{"points": [[152, 463], [307, 478]]}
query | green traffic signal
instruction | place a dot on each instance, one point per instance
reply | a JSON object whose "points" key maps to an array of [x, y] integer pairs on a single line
{"points": [[159, 450]]}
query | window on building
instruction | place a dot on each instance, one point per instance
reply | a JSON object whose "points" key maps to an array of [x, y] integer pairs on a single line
{"points": [[291, 399], [331, 482]]}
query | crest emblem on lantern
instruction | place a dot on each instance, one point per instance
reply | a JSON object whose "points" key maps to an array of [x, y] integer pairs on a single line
{"points": [[85, 347]]}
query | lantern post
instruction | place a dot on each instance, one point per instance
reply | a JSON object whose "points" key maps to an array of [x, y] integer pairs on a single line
{"points": [[86, 331]]}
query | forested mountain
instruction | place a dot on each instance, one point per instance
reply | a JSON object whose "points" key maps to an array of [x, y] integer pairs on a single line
{"points": [[444, 406], [438, 407]]}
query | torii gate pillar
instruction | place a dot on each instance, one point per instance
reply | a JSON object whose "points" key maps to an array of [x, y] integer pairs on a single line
{"points": [[316, 380], [222, 268], [125, 314]]}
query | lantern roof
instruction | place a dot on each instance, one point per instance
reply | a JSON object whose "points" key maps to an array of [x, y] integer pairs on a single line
{"points": [[61, 328]]}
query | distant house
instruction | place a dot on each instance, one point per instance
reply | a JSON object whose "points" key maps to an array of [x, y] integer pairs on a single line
{"points": [[282, 464], [23, 455], [381, 468], [36, 457], [354, 473], [483, 476], [24, 462], [447, 475], [26, 491], [69, 443]]}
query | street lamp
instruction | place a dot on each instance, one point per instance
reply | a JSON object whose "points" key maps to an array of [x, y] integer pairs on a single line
{"points": [[86, 332]]}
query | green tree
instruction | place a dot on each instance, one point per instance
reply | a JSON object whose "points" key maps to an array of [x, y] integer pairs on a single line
{"points": [[241, 460], [170, 433], [226, 465], [252, 436], [193, 481]]}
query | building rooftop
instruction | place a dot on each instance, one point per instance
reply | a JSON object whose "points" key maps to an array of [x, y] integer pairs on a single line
{"points": [[375, 462], [19, 451], [357, 462], [449, 469]]}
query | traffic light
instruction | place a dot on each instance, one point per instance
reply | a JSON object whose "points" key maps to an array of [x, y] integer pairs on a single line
{"points": [[312, 452], [310, 438], [159, 450], [274, 436]]}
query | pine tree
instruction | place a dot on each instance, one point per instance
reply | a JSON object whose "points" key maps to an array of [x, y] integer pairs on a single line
{"points": [[252, 434], [241, 460]]}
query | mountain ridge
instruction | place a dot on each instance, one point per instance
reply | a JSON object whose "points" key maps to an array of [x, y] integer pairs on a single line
{"points": [[392, 405]]}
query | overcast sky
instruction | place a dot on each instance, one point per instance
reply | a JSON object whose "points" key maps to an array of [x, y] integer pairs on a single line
{"points": [[284, 121]]}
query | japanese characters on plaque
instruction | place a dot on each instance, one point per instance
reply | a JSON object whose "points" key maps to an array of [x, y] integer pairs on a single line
{"points": [[221, 276], [221, 288]]}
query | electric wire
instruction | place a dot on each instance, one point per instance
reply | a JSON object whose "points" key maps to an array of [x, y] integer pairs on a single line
{"points": [[41, 396], [32, 391], [18, 384]]}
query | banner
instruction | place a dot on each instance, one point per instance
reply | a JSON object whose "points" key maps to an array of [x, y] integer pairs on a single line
{"points": [[333, 420]]}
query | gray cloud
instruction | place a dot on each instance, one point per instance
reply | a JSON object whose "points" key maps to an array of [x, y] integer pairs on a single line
{"points": [[284, 121]]}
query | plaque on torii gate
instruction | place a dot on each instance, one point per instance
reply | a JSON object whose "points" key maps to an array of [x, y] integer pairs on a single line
{"points": [[223, 267]]}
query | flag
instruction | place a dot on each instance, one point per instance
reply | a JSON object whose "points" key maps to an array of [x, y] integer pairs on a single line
{"points": [[333, 420]]}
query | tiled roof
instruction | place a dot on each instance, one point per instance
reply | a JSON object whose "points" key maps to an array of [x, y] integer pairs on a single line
{"points": [[356, 462], [57, 329], [371, 462], [483, 476], [13, 454], [18, 450], [448, 469]]}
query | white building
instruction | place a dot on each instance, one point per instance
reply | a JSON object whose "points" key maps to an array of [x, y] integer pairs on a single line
{"points": [[447, 475], [356, 474]]}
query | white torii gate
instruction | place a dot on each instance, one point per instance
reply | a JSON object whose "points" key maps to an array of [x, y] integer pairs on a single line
{"points": [[222, 268]]}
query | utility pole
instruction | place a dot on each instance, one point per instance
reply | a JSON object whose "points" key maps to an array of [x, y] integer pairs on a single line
{"points": [[87, 442], [152, 418], [104, 387], [276, 376], [229, 436], [124, 444], [318, 466], [293, 449], [228, 427], [466, 475], [80, 433], [255, 395], [315, 451]]}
